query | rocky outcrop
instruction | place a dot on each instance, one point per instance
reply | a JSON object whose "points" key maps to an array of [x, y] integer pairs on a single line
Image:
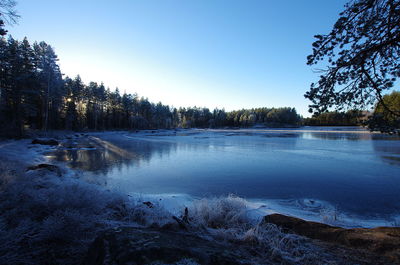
{"points": [[381, 240], [45, 141]]}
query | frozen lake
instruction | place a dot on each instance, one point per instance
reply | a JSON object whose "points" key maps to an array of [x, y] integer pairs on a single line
{"points": [[348, 169]]}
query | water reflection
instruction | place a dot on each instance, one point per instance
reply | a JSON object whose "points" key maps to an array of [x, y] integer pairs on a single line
{"points": [[357, 172], [101, 155], [337, 136], [388, 151], [385, 146], [282, 135]]}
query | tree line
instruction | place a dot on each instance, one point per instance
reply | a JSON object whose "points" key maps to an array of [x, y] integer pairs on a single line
{"points": [[35, 95], [385, 117], [337, 118]]}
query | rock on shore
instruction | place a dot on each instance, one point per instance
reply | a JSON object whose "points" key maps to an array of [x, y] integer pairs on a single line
{"points": [[380, 240]]}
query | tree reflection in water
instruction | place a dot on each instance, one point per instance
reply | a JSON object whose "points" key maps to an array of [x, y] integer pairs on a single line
{"points": [[99, 156]]}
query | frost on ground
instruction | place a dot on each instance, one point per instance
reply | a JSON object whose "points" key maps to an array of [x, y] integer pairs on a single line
{"points": [[227, 219], [47, 217]]}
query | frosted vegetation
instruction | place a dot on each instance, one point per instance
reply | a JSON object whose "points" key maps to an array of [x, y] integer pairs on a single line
{"points": [[40, 210], [51, 219], [226, 218]]}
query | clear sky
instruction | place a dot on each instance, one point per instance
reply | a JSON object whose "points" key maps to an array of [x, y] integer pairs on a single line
{"points": [[226, 54]]}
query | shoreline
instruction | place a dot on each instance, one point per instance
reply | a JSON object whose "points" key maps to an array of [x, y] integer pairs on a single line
{"points": [[298, 129], [143, 219], [314, 209]]}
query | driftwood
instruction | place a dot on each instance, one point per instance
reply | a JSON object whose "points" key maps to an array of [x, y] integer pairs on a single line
{"points": [[184, 220]]}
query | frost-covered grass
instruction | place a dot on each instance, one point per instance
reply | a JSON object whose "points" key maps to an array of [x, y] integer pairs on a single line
{"points": [[225, 212], [227, 219], [50, 219]]}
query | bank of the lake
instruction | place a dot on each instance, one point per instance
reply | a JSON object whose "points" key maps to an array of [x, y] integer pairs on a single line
{"points": [[50, 214], [344, 176]]}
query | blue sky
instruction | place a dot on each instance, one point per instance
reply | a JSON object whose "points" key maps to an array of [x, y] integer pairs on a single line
{"points": [[225, 54]]}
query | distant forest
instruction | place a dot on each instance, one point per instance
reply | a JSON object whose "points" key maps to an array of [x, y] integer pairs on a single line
{"points": [[336, 118], [34, 95]]}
